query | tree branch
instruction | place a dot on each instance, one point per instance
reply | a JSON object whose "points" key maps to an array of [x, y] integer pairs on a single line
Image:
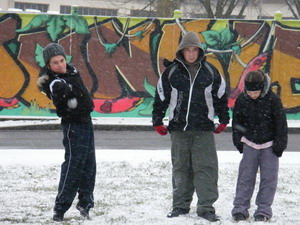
{"points": [[219, 8], [244, 6], [230, 8], [291, 8], [207, 6], [297, 4]]}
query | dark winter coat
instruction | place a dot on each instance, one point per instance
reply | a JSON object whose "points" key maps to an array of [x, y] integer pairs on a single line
{"points": [[63, 88], [260, 120], [193, 99]]}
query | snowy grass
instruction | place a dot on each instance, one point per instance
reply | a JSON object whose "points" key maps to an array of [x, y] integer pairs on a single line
{"points": [[132, 187]]}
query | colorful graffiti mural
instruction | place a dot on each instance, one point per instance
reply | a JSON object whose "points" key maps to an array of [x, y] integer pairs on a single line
{"points": [[121, 59]]}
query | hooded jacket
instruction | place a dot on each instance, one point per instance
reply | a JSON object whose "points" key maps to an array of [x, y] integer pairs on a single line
{"points": [[193, 101], [260, 120], [71, 98]]}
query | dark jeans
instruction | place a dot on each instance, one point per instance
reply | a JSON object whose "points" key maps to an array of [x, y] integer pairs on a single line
{"points": [[78, 171]]}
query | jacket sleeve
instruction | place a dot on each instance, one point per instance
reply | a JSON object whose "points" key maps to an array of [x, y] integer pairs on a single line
{"points": [[162, 98], [60, 92], [237, 126], [220, 98], [76, 85], [280, 127]]}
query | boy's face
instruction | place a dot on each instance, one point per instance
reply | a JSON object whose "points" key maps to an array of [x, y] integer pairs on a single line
{"points": [[253, 94], [58, 64], [190, 54]]}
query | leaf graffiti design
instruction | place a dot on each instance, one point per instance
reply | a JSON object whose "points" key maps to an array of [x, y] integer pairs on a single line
{"points": [[110, 48], [56, 24], [37, 21], [55, 27], [212, 38], [150, 89], [77, 23], [221, 40]]}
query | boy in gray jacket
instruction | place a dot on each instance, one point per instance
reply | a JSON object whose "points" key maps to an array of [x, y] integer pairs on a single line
{"points": [[194, 91]]}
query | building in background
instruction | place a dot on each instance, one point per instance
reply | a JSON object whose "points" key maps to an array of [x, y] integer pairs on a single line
{"points": [[257, 9]]}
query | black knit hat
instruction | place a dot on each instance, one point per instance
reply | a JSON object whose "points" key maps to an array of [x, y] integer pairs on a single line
{"points": [[52, 50]]}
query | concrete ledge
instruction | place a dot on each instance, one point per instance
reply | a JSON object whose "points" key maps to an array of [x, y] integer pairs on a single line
{"points": [[100, 123], [96, 127], [109, 127]]}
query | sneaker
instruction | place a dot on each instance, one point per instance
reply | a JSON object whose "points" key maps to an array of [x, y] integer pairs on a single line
{"points": [[177, 212], [260, 218], [210, 216], [83, 211], [239, 217], [58, 216]]}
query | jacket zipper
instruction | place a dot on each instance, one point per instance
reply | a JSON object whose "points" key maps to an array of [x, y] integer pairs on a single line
{"points": [[190, 94]]}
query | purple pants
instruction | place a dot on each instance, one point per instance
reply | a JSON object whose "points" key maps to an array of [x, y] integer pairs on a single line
{"points": [[268, 163]]}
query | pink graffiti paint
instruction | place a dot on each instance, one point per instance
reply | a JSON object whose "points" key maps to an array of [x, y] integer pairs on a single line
{"points": [[116, 105], [8, 102], [253, 65]]}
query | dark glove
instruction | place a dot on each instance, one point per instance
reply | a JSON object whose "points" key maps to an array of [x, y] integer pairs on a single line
{"points": [[220, 128], [240, 147], [161, 129], [277, 153], [278, 148], [60, 89]]}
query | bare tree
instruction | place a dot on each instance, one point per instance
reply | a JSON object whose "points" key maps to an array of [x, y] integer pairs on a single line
{"points": [[165, 8], [224, 8], [292, 5]]}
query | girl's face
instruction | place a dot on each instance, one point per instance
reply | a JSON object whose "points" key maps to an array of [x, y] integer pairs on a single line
{"points": [[58, 64], [190, 54], [253, 94]]}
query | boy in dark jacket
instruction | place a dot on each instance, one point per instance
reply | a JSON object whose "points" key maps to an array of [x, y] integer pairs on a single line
{"points": [[194, 91], [63, 85], [260, 133]]}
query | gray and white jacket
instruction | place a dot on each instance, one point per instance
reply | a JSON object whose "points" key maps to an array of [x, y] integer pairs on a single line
{"points": [[193, 99]]}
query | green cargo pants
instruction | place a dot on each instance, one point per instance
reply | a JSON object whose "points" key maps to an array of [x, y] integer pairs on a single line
{"points": [[195, 167]]}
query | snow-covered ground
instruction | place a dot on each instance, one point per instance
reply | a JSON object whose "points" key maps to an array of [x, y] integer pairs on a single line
{"points": [[132, 187]]}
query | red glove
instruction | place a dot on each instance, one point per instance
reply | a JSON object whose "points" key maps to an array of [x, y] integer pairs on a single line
{"points": [[220, 128], [161, 129]]}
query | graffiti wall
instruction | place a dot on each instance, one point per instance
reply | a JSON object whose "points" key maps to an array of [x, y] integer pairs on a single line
{"points": [[120, 59]]}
